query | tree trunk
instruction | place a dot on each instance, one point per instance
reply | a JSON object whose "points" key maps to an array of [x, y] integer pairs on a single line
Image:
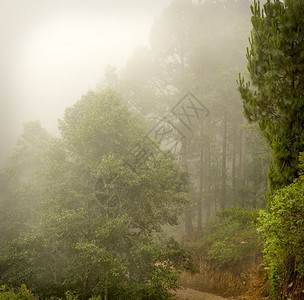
{"points": [[208, 171], [224, 154], [201, 180], [243, 160], [184, 165], [233, 180], [106, 290]]}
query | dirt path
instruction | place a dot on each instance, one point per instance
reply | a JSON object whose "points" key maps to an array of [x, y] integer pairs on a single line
{"points": [[189, 294]]}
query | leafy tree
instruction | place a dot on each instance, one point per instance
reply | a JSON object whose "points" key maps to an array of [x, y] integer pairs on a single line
{"points": [[19, 197], [274, 94], [98, 125], [109, 244]]}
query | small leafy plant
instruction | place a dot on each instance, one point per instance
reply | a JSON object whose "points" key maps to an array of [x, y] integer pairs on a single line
{"points": [[230, 237]]}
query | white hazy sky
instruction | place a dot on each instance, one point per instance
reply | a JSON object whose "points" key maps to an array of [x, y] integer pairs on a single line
{"points": [[52, 52]]}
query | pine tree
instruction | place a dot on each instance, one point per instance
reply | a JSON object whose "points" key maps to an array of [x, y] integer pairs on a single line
{"points": [[274, 95]]}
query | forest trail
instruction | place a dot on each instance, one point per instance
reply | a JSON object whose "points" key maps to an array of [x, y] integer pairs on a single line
{"points": [[189, 294]]}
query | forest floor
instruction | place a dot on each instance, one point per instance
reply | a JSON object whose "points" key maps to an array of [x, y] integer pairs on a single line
{"points": [[189, 294]]}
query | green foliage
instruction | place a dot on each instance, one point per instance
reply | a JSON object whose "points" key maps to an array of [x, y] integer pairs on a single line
{"points": [[69, 295], [107, 243], [274, 97], [95, 298], [99, 124], [19, 198], [274, 94], [282, 227], [229, 238], [21, 293]]}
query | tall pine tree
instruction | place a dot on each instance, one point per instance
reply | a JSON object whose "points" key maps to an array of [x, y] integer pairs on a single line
{"points": [[274, 95]]}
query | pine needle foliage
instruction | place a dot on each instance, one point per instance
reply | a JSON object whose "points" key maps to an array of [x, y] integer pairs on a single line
{"points": [[274, 93]]}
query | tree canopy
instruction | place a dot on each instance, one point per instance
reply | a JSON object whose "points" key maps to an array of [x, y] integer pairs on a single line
{"points": [[110, 245]]}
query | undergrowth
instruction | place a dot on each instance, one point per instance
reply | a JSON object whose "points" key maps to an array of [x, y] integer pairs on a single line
{"points": [[229, 237]]}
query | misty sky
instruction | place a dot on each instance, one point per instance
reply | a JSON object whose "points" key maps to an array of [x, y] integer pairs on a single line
{"points": [[52, 52]]}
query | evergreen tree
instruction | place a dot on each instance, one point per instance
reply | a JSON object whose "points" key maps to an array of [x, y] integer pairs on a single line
{"points": [[19, 198], [274, 95]]}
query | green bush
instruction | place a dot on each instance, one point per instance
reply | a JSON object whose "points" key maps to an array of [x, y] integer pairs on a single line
{"points": [[70, 295], [282, 227], [21, 293], [230, 237]]}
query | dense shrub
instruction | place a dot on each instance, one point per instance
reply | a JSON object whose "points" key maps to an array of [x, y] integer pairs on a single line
{"points": [[282, 227], [229, 238], [17, 294]]}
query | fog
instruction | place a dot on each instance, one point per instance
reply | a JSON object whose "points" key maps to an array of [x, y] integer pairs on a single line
{"points": [[52, 52], [133, 154]]}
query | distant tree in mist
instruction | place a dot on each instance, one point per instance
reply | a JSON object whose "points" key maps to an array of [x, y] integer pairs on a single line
{"points": [[20, 182], [97, 244], [198, 46]]}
